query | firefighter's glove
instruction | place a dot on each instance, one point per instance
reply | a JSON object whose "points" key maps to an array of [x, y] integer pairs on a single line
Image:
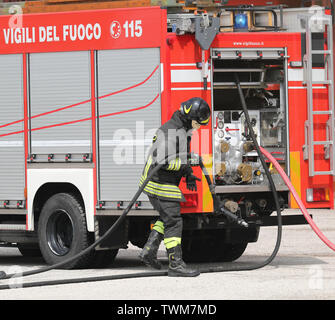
{"points": [[191, 183]]}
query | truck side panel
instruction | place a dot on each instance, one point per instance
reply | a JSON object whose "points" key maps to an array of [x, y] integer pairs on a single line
{"points": [[129, 113], [12, 168], [60, 80]]}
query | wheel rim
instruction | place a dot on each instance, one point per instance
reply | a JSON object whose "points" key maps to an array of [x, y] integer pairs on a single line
{"points": [[59, 232]]}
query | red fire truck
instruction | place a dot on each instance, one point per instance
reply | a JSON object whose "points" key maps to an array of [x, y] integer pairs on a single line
{"points": [[82, 94]]}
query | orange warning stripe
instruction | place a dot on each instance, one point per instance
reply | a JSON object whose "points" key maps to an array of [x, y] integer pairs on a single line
{"points": [[207, 200], [295, 176]]}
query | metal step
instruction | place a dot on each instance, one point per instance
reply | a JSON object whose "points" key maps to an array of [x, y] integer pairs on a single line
{"points": [[326, 82], [322, 173], [322, 143], [238, 70], [232, 85], [12, 227], [326, 52], [328, 112], [13, 211]]}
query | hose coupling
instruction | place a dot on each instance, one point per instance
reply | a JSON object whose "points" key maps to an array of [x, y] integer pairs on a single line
{"points": [[234, 218]]}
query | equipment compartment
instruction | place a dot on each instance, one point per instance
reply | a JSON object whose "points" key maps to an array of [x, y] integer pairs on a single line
{"points": [[262, 77]]}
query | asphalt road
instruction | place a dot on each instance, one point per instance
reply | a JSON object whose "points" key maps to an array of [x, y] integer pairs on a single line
{"points": [[303, 269]]}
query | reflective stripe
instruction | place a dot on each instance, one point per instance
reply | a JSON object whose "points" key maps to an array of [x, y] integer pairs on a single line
{"points": [[158, 192], [145, 174], [162, 194], [204, 121], [178, 165], [163, 187], [172, 191], [163, 190], [172, 242], [174, 164], [171, 165], [159, 227], [166, 187]]}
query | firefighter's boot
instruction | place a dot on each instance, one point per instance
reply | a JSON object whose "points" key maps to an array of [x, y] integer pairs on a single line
{"points": [[148, 254], [177, 267]]}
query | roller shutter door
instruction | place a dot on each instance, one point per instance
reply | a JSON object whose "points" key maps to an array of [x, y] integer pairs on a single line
{"points": [[60, 80], [129, 110], [12, 158]]}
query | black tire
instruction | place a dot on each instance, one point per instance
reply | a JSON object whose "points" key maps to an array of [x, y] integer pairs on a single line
{"points": [[29, 250], [231, 251], [62, 231], [197, 250], [103, 258], [211, 250]]}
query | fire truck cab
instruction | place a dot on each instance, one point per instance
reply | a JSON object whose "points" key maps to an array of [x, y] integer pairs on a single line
{"points": [[83, 92]]}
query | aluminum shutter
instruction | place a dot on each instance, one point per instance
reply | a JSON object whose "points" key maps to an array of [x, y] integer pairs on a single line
{"points": [[12, 158], [124, 137], [57, 80]]}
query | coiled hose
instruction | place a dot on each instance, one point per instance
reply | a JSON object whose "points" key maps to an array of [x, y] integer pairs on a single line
{"points": [[110, 231]]}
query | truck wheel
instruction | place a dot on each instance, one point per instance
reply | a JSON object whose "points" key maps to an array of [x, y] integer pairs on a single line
{"points": [[231, 251], [103, 258], [62, 231], [197, 250], [210, 250], [29, 250]]}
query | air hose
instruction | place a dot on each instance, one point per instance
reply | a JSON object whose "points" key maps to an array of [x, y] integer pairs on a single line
{"points": [[110, 231], [298, 200]]}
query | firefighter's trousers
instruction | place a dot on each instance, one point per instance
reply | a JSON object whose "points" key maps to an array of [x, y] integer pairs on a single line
{"points": [[170, 223]]}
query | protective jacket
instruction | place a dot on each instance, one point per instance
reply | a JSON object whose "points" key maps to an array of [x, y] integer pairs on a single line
{"points": [[170, 146]]}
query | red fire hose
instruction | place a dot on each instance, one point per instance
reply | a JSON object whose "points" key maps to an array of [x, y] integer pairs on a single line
{"points": [[298, 200]]}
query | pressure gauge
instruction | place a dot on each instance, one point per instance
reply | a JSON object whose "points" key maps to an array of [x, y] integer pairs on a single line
{"points": [[220, 115], [221, 134], [220, 125]]}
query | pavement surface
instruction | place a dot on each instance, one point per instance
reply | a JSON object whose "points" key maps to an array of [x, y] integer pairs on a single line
{"points": [[304, 269]]}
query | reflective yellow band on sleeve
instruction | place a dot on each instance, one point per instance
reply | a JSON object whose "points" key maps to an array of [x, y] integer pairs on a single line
{"points": [[174, 165], [171, 166], [147, 166], [179, 164]]}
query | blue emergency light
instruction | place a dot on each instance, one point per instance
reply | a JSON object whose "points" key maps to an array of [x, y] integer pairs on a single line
{"points": [[241, 21]]}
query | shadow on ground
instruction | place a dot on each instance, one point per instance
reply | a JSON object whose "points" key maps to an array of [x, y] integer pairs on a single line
{"points": [[129, 259]]}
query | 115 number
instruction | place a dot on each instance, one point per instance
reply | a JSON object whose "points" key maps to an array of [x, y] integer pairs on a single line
{"points": [[133, 28]]}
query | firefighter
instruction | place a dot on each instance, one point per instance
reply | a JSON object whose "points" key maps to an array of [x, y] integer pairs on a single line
{"points": [[172, 142]]}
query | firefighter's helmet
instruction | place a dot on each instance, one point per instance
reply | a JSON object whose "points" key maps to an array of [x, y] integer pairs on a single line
{"points": [[196, 109]]}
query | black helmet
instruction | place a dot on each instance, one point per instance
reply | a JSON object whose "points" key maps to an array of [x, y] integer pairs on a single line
{"points": [[196, 109]]}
